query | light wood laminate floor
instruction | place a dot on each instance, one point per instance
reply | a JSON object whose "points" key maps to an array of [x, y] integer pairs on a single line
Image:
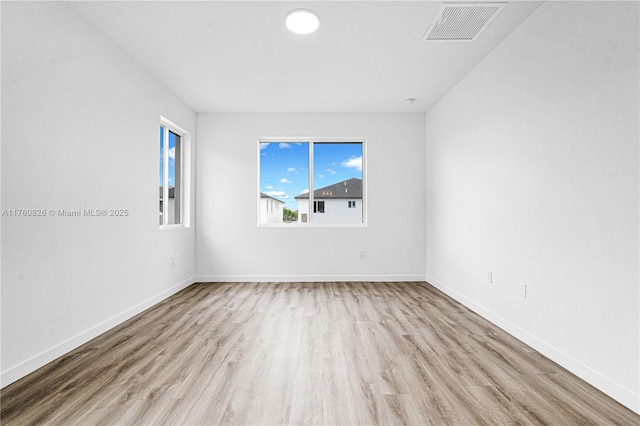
{"points": [[307, 353]]}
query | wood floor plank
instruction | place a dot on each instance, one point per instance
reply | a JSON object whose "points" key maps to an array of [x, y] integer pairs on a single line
{"points": [[339, 353]]}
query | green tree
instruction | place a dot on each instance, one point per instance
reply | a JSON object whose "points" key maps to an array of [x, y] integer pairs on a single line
{"points": [[289, 215]]}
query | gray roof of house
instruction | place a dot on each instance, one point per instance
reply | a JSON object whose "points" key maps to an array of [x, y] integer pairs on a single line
{"points": [[263, 195], [350, 188]]}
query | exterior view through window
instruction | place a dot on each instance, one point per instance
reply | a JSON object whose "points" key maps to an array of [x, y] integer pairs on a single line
{"points": [[311, 182], [170, 190]]}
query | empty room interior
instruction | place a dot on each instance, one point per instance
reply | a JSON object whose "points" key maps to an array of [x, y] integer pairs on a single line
{"points": [[410, 212]]}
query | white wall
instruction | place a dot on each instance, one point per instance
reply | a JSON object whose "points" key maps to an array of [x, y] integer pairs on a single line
{"points": [[532, 172], [80, 127], [230, 246]]}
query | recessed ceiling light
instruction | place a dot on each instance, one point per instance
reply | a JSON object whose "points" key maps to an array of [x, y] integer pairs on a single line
{"points": [[302, 21], [409, 101]]}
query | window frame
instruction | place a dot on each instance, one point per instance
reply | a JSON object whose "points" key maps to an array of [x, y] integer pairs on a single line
{"points": [[311, 141], [184, 170]]}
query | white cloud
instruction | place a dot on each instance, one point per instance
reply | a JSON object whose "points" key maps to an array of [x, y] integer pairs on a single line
{"points": [[305, 191], [263, 145], [284, 145], [292, 170], [353, 163], [320, 176], [277, 194], [172, 152], [285, 180], [268, 187], [333, 172]]}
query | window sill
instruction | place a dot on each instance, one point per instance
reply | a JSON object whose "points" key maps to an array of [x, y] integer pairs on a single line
{"points": [[170, 227], [312, 225]]}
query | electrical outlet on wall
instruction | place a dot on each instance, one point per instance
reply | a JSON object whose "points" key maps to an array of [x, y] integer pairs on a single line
{"points": [[489, 277], [523, 290], [173, 261], [362, 253]]}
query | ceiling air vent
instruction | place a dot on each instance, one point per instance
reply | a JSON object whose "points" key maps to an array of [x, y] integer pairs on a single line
{"points": [[462, 21]]}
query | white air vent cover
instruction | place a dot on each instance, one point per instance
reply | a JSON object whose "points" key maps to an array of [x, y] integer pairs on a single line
{"points": [[462, 21]]}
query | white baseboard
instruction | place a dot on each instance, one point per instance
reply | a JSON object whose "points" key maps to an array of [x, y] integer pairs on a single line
{"points": [[306, 278], [621, 394], [32, 364]]}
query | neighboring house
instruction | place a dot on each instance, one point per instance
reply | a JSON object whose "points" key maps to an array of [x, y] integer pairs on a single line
{"points": [[271, 209], [340, 203], [172, 205]]}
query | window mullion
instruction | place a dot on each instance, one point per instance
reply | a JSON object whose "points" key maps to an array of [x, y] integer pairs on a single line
{"points": [[311, 176], [165, 176], [177, 192]]}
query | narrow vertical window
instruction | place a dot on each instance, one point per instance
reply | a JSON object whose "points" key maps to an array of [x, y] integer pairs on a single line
{"points": [[161, 171], [172, 165]]}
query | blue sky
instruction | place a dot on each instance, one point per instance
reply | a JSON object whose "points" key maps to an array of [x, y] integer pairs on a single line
{"points": [[284, 167], [172, 156]]}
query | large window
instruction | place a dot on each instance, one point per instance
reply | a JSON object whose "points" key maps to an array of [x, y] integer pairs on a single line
{"points": [[173, 193], [313, 181]]}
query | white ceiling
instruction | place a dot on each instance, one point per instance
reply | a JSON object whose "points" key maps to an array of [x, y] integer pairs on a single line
{"points": [[238, 55]]}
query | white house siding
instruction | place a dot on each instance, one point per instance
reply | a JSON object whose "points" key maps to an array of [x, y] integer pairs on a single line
{"points": [[303, 210], [270, 210], [336, 211]]}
